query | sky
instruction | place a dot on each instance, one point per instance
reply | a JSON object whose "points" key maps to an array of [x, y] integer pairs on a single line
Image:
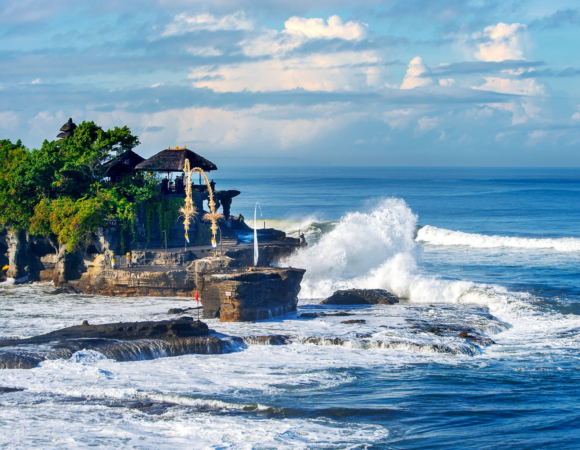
{"points": [[297, 82]]}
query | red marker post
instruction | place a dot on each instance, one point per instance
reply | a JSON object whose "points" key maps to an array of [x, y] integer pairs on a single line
{"points": [[197, 300]]}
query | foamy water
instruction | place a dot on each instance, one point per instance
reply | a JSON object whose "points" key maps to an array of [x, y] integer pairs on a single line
{"points": [[438, 236], [385, 383]]}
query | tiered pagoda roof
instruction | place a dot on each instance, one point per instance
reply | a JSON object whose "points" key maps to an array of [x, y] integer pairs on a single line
{"points": [[68, 129]]}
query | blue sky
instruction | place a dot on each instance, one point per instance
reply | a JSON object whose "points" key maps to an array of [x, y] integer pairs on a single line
{"points": [[398, 82]]}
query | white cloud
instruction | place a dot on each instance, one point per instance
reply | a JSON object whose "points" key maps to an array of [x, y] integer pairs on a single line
{"points": [[417, 74], [298, 30], [537, 134], [156, 85], [317, 29], [184, 23], [425, 124], [398, 118], [317, 72], [447, 82], [528, 86], [576, 116], [204, 51], [342, 70], [521, 110], [280, 127], [37, 81], [8, 120], [502, 41]]}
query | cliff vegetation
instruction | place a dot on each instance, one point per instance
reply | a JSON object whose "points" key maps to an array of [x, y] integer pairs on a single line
{"points": [[60, 190]]}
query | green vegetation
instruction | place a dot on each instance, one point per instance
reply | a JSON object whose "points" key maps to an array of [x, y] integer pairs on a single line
{"points": [[60, 191], [165, 210]]}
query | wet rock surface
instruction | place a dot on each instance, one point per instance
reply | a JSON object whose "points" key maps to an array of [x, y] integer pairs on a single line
{"points": [[361, 297], [8, 390], [117, 341], [242, 295], [183, 310], [129, 331], [323, 314]]}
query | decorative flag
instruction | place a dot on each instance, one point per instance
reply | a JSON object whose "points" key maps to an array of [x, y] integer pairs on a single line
{"points": [[213, 243], [197, 297], [187, 237], [256, 252]]}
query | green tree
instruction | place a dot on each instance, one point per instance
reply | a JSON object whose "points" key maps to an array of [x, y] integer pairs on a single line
{"points": [[59, 190]]}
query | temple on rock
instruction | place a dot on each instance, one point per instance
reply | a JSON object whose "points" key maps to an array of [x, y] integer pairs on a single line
{"points": [[170, 165], [165, 251]]}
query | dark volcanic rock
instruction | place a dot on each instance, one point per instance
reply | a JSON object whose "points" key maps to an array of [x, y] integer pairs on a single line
{"points": [[361, 297], [64, 289], [130, 331], [126, 342], [308, 316], [181, 311], [323, 314], [7, 390], [348, 322]]}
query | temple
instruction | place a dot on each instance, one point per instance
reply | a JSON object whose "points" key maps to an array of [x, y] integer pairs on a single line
{"points": [[167, 252], [170, 165]]}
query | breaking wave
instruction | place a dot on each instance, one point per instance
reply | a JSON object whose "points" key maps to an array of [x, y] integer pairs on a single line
{"points": [[440, 236], [373, 250], [378, 250]]}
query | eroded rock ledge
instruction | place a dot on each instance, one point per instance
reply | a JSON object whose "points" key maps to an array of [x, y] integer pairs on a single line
{"points": [[361, 297]]}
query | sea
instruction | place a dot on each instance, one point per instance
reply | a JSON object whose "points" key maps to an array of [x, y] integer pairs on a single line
{"points": [[492, 250]]}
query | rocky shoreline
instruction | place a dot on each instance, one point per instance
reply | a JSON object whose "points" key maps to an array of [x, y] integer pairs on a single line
{"points": [[184, 335], [230, 286]]}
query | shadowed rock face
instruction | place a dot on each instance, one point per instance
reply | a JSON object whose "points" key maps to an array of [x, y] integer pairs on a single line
{"points": [[361, 297], [243, 295], [117, 341], [131, 331]]}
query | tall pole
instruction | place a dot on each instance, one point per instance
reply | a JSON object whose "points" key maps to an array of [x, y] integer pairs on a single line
{"points": [[188, 211], [212, 216]]}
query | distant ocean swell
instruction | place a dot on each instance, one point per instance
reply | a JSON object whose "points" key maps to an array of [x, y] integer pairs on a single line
{"points": [[439, 236]]}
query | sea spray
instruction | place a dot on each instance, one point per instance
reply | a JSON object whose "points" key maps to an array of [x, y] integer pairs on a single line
{"points": [[375, 249]]}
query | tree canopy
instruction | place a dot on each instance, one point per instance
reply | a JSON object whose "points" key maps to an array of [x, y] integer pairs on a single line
{"points": [[60, 191]]}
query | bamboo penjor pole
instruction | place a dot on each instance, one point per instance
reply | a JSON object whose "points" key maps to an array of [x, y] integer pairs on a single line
{"points": [[188, 211], [212, 216]]}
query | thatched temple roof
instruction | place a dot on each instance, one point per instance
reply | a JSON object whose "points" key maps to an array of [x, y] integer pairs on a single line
{"points": [[173, 160], [123, 164], [68, 129]]}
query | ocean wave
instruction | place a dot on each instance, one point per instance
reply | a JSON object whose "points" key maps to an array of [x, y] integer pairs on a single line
{"points": [[440, 236], [375, 249], [312, 227]]}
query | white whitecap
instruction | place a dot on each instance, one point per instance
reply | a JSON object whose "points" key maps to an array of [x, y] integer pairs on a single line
{"points": [[440, 236]]}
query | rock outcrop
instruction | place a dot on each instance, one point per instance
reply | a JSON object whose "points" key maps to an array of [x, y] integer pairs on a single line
{"points": [[129, 331], [249, 295], [361, 297], [117, 341]]}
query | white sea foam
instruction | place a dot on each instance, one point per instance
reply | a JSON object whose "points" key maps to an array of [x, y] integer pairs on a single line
{"points": [[375, 249], [440, 236]]}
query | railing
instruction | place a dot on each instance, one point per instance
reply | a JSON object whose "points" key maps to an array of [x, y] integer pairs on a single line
{"points": [[122, 261]]}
